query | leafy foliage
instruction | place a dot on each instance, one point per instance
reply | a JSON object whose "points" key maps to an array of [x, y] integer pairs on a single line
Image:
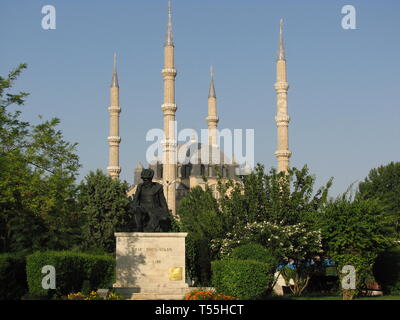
{"points": [[286, 242], [354, 232], [201, 218], [104, 205], [72, 269], [354, 227], [294, 244], [244, 279], [257, 252], [37, 174], [266, 202], [383, 184], [12, 276], [387, 270], [274, 197]]}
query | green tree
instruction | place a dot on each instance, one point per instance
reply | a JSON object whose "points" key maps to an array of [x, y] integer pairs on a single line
{"points": [[276, 210], [383, 184], [37, 174], [201, 218], [354, 232], [275, 197], [258, 200], [104, 204]]}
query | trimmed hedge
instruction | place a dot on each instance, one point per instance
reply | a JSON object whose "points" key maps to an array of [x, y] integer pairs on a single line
{"points": [[255, 251], [72, 270], [387, 271], [243, 279], [13, 283]]}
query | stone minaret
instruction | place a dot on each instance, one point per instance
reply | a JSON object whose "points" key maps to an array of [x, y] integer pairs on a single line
{"points": [[212, 118], [114, 139], [282, 118], [169, 109]]}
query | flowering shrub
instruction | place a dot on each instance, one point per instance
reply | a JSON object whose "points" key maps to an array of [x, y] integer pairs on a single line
{"points": [[93, 295], [76, 296], [113, 296], [289, 243], [207, 295]]}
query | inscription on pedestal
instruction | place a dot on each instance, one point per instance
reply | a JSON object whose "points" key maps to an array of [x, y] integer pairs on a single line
{"points": [[151, 262]]}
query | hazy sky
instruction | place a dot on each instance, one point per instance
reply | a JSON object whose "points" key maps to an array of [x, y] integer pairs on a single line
{"points": [[343, 97]]}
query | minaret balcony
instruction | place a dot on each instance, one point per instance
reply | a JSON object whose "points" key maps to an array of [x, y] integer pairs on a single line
{"points": [[114, 109], [169, 143], [283, 153], [171, 72], [282, 120], [212, 118], [114, 169], [114, 139], [281, 86], [169, 107]]}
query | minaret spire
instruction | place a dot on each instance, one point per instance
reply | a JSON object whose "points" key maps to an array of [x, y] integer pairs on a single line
{"points": [[114, 139], [282, 118], [114, 80], [169, 41], [281, 50], [169, 109], [211, 91], [212, 118]]}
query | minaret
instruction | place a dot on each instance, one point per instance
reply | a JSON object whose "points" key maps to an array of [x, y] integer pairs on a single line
{"points": [[282, 118], [114, 139], [169, 109], [212, 118]]}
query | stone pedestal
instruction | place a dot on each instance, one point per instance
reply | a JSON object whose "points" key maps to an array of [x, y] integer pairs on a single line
{"points": [[151, 266]]}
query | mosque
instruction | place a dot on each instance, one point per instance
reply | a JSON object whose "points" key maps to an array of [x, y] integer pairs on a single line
{"points": [[178, 177]]}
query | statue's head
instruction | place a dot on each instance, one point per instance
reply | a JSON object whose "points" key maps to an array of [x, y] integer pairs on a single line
{"points": [[147, 175]]}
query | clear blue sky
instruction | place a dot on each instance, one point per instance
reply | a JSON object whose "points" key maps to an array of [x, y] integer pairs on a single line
{"points": [[343, 100]]}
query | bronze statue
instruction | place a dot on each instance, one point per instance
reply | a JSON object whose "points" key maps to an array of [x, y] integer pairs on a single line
{"points": [[149, 207]]}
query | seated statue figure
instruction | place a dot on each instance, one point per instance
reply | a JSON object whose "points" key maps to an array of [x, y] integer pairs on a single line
{"points": [[149, 207]]}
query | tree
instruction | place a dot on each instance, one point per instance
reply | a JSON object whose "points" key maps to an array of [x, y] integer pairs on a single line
{"points": [[276, 210], [354, 232], [383, 184], [37, 174], [294, 244], [201, 218], [259, 200], [275, 197], [104, 204]]}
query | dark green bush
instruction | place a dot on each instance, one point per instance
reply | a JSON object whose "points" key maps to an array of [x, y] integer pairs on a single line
{"points": [[243, 279], [255, 251], [13, 283], [387, 271], [72, 269]]}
